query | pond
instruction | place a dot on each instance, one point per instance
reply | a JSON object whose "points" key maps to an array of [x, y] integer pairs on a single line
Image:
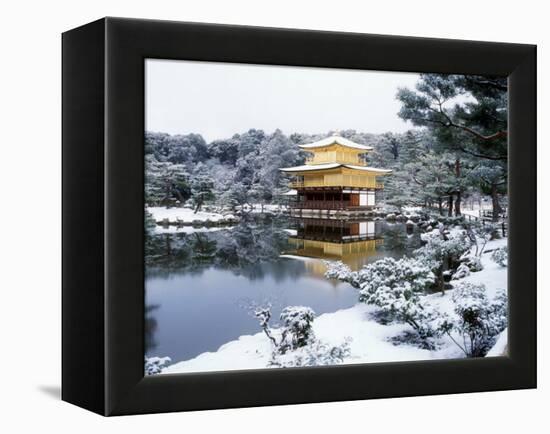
{"points": [[201, 287]]}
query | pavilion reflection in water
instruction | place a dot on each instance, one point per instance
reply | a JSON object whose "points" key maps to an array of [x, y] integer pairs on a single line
{"points": [[351, 241]]}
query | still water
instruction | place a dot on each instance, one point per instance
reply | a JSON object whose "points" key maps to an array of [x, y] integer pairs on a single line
{"points": [[202, 287]]}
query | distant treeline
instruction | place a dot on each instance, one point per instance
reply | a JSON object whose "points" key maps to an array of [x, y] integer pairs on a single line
{"points": [[458, 147]]}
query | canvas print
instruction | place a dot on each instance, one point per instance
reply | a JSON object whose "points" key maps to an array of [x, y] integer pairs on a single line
{"points": [[314, 216]]}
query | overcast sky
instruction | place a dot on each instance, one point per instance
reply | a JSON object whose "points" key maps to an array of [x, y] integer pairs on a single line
{"points": [[218, 100]]}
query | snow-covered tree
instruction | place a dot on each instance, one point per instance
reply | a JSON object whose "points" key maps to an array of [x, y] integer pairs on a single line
{"points": [[477, 320], [391, 145], [480, 233], [467, 116], [296, 327], [263, 314], [202, 188], [500, 256], [165, 182], [461, 272], [442, 252], [475, 126], [492, 178], [472, 262], [294, 343], [155, 365]]}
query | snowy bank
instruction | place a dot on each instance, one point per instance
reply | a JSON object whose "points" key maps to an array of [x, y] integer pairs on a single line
{"points": [[186, 216], [493, 276], [369, 343]]}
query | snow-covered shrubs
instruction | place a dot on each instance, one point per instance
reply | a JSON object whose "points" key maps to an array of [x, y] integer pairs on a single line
{"points": [[296, 327], [477, 321], [468, 264], [472, 262], [401, 274], [443, 252], [339, 270], [317, 353], [500, 256], [442, 247], [155, 365], [480, 234], [461, 272], [389, 282], [393, 285], [294, 343]]}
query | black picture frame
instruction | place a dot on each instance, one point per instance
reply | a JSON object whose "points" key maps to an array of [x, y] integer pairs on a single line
{"points": [[103, 219]]}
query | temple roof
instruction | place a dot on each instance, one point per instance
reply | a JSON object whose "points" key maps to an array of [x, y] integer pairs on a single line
{"points": [[366, 168], [338, 140], [310, 168]]}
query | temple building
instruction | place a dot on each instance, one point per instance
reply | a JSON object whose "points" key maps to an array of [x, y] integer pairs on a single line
{"points": [[335, 177]]}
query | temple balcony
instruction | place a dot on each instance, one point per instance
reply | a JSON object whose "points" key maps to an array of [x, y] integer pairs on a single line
{"points": [[337, 181], [335, 157]]}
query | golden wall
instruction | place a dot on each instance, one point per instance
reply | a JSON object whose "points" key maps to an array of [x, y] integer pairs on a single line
{"points": [[335, 156], [336, 180]]}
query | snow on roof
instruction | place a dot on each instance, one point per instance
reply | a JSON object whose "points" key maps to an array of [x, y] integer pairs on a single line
{"points": [[336, 140], [308, 167], [312, 167], [291, 193], [368, 169]]}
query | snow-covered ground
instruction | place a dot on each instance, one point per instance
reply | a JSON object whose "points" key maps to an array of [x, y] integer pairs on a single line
{"points": [[186, 215], [370, 341], [493, 276]]}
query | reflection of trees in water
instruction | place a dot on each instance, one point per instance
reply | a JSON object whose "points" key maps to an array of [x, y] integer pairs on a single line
{"points": [[396, 240], [150, 327], [240, 249], [250, 248]]}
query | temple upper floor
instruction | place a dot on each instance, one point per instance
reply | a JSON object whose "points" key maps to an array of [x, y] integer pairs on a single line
{"points": [[336, 149]]}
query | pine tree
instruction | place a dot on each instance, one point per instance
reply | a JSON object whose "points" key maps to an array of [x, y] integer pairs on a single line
{"points": [[202, 188]]}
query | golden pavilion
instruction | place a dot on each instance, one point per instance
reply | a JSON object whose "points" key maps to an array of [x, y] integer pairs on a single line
{"points": [[335, 177]]}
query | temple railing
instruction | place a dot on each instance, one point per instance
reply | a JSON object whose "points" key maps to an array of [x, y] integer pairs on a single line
{"points": [[326, 204], [321, 204], [302, 184]]}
